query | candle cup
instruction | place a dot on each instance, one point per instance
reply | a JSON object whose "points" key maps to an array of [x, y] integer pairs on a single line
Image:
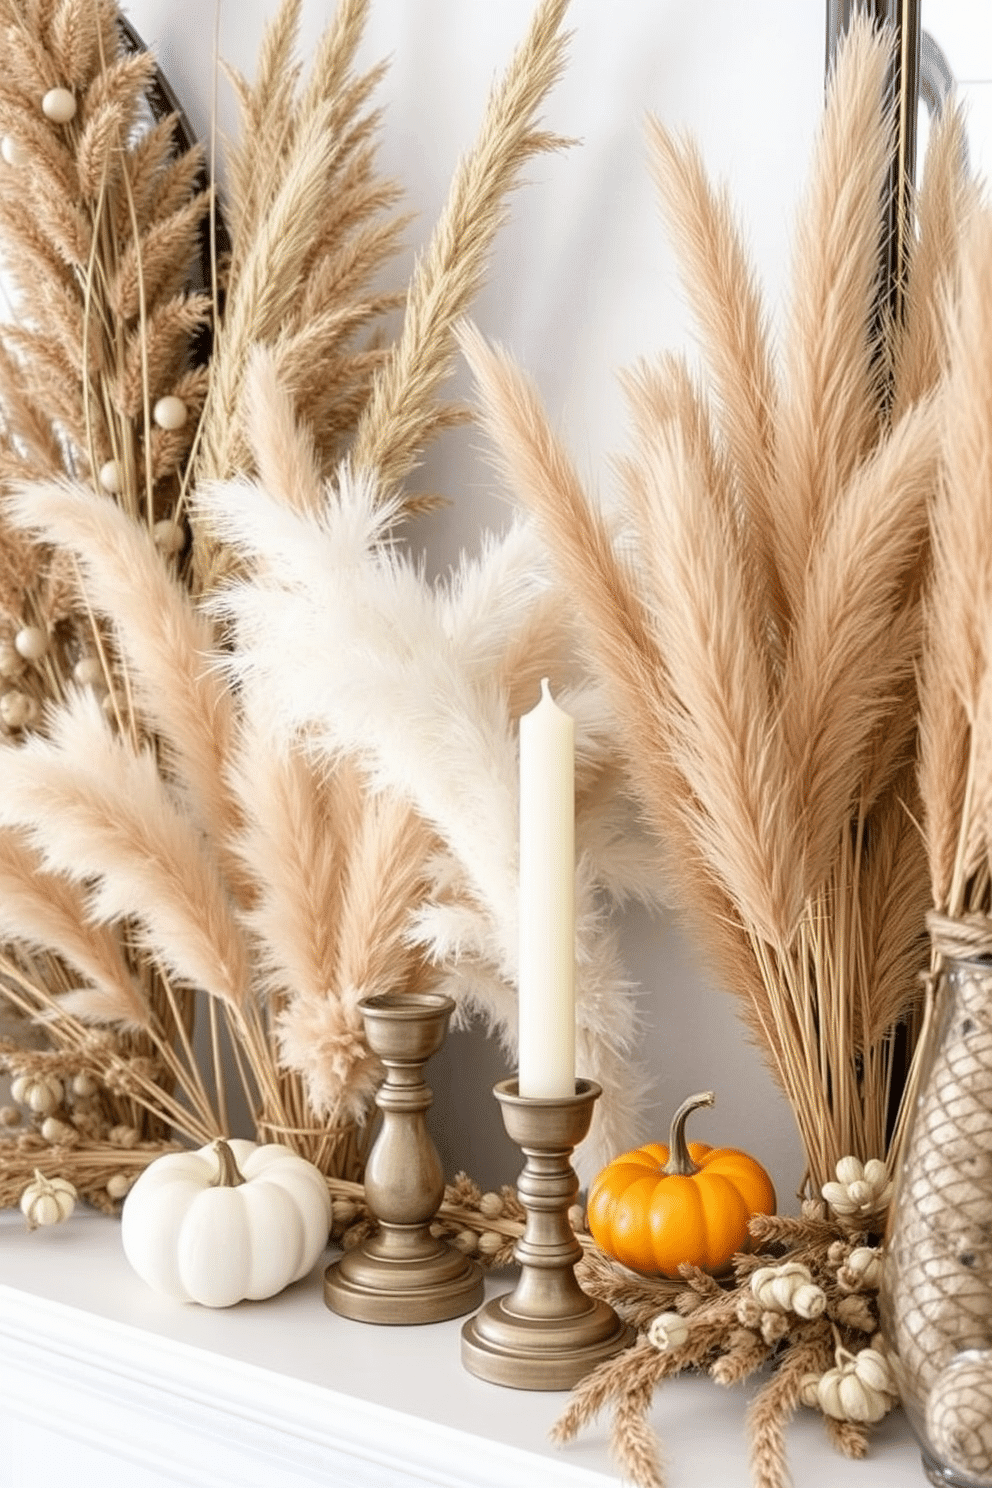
{"points": [[547, 1333], [404, 1274]]}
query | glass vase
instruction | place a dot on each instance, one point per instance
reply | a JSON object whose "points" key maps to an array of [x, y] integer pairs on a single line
{"points": [[936, 1294]]}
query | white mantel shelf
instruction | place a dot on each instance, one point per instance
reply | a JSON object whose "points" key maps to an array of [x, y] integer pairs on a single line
{"points": [[103, 1383]]}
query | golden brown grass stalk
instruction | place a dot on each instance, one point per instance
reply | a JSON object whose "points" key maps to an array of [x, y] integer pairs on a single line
{"points": [[311, 226], [402, 412]]}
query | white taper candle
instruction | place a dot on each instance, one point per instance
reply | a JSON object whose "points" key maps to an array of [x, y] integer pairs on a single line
{"points": [[546, 1041]]}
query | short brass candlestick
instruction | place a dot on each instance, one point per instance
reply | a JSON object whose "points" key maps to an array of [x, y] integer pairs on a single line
{"points": [[545, 1334], [402, 1274]]}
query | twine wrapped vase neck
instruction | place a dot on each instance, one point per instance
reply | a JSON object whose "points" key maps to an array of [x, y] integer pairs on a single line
{"points": [[963, 938]]}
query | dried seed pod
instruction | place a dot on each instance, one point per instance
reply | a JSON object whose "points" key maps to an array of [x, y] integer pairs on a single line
{"points": [[467, 1241], [59, 1133], [860, 1387], [748, 1310], [809, 1300], [88, 672], [169, 537], [861, 1188], [490, 1243], [47, 1201], [862, 1270], [788, 1288], [40, 1093], [855, 1311], [11, 660], [343, 1211], [774, 1326], [118, 1185], [491, 1205], [18, 709], [123, 1136], [668, 1332]]}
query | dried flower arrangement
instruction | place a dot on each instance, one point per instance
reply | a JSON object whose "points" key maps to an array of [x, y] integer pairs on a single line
{"points": [[174, 855], [755, 607]]}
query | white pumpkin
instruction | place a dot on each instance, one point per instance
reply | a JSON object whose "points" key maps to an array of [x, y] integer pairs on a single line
{"points": [[232, 1221]]}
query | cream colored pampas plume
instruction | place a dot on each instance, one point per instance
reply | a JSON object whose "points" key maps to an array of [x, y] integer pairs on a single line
{"points": [[280, 891], [754, 610], [409, 679]]}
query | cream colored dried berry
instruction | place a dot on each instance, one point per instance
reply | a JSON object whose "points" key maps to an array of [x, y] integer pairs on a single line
{"points": [[59, 105], [31, 641], [170, 412]]}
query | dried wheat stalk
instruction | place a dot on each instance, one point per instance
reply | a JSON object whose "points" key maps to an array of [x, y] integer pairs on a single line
{"points": [[734, 1335]]}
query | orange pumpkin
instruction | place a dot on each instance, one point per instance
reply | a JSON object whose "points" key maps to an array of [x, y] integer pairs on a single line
{"points": [[658, 1207]]}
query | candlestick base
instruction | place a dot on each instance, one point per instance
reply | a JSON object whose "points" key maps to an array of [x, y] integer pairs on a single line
{"points": [[545, 1334], [390, 1280], [403, 1274]]}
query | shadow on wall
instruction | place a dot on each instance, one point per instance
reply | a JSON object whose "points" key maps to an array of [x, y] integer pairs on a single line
{"points": [[465, 1119]]}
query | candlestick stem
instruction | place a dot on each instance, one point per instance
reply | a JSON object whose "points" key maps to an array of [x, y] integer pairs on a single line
{"points": [[403, 1274], [547, 1333]]}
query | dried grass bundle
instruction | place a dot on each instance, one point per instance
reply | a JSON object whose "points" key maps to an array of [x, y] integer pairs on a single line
{"points": [[266, 914], [756, 617], [311, 229]]}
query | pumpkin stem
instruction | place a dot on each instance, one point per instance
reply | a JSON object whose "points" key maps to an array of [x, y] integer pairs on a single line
{"points": [[229, 1175], [679, 1163]]}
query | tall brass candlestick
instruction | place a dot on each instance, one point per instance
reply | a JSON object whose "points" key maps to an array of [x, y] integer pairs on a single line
{"points": [[402, 1274], [545, 1334]]}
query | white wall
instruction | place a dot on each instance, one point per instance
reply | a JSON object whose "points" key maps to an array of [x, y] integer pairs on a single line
{"points": [[583, 282]]}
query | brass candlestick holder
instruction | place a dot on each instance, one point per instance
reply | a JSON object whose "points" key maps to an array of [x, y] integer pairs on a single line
{"points": [[402, 1274], [545, 1334]]}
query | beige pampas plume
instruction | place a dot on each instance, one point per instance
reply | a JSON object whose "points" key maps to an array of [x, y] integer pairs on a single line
{"points": [[168, 649], [50, 912], [954, 767], [830, 410], [99, 813]]}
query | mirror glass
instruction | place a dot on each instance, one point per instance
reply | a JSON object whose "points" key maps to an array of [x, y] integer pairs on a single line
{"points": [[963, 31]]}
